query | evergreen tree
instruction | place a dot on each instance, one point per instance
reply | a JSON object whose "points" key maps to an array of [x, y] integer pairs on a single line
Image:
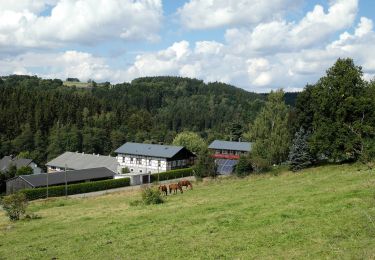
{"points": [[299, 154]]}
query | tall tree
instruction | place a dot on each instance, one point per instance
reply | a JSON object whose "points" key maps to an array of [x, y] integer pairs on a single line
{"points": [[270, 130], [341, 112]]}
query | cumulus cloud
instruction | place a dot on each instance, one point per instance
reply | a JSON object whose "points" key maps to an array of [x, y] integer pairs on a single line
{"points": [[279, 35], [272, 54], [83, 21], [204, 14]]}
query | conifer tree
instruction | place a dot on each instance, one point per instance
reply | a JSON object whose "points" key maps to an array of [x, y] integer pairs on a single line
{"points": [[299, 155]]}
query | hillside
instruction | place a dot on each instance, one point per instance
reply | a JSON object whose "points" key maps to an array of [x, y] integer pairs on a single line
{"points": [[324, 212], [44, 118]]}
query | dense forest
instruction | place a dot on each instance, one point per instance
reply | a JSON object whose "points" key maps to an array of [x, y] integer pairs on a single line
{"points": [[42, 118]]}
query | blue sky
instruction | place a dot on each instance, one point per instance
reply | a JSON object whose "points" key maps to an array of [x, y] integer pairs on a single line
{"points": [[254, 44]]}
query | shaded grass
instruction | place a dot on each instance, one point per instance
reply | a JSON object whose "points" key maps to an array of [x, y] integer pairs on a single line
{"points": [[324, 212]]}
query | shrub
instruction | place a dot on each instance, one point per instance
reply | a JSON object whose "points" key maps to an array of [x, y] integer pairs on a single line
{"points": [[56, 191], [24, 170], [259, 164], [125, 170], [205, 165], [173, 174], [151, 196], [243, 168], [14, 205]]}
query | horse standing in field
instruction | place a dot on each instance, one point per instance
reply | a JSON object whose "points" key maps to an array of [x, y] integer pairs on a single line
{"points": [[175, 187], [185, 183], [163, 189]]}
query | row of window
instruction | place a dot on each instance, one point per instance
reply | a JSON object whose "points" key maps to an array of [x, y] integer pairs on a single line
{"points": [[138, 161], [230, 152]]}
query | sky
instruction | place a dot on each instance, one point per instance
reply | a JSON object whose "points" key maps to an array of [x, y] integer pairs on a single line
{"points": [[253, 44]]}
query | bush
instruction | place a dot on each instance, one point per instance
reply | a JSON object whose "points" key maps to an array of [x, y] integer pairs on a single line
{"points": [[25, 170], [56, 191], [125, 170], [151, 196], [259, 164], [173, 174], [243, 167], [14, 205]]}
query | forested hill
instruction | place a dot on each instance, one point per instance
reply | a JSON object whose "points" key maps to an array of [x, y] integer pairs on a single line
{"points": [[43, 118]]}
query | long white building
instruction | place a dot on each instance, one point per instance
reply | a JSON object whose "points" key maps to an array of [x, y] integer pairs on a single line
{"points": [[142, 160]]}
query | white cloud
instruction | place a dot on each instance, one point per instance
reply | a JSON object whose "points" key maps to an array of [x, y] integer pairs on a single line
{"points": [[279, 35], [204, 14], [83, 21]]}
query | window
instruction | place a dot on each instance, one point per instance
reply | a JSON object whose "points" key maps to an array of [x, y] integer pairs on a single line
{"points": [[149, 162], [159, 163], [131, 159], [139, 161], [123, 159]]}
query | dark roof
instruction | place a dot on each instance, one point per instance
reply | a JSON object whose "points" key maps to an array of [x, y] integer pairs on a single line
{"points": [[80, 161], [40, 180], [7, 161], [153, 150], [228, 145]]}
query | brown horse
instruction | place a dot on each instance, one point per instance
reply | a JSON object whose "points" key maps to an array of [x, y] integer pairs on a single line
{"points": [[185, 183], [175, 187], [163, 189]]}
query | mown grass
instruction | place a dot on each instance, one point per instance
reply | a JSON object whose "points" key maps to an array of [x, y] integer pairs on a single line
{"points": [[325, 212]]}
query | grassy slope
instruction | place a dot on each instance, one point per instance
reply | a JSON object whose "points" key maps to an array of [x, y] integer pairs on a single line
{"points": [[325, 212]]}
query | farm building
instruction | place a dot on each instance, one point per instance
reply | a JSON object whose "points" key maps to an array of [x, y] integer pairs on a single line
{"points": [[80, 161], [7, 161], [227, 153], [142, 160], [57, 178]]}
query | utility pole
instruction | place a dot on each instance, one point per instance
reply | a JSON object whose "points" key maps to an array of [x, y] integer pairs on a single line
{"points": [[47, 183], [66, 184]]}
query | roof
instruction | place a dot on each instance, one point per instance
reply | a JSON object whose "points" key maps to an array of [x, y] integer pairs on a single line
{"points": [[80, 161], [153, 150], [229, 145], [40, 180], [7, 161]]}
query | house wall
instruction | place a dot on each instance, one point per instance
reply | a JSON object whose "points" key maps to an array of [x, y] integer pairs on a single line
{"points": [[15, 185], [150, 165], [227, 154]]}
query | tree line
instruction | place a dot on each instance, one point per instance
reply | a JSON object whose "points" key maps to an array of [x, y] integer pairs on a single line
{"points": [[42, 118]]}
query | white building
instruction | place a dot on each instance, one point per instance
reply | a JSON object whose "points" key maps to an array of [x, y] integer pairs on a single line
{"points": [[142, 160]]}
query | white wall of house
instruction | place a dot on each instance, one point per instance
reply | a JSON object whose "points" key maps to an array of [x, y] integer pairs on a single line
{"points": [[147, 165]]}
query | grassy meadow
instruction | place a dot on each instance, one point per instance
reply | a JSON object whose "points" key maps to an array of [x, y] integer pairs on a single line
{"points": [[325, 212]]}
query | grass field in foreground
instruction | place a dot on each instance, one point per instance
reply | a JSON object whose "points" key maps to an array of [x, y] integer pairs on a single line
{"points": [[324, 212]]}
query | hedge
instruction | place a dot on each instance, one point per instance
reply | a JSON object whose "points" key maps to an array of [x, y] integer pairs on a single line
{"points": [[173, 174], [84, 187]]}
